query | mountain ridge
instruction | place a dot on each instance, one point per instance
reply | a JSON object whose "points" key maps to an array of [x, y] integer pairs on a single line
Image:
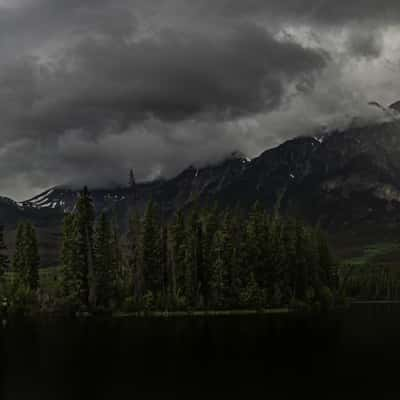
{"points": [[347, 181], [332, 159]]}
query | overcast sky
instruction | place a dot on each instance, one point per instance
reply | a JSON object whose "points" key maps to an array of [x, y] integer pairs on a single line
{"points": [[92, 88]]}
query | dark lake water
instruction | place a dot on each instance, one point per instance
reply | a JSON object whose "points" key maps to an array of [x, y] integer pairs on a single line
{"points": [[338, 355]]}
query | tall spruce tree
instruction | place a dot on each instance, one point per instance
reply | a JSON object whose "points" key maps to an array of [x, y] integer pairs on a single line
{"points": [[220, 268], [325, 260], [119, 273], [315, 278], [26, 258], [193, 257], [234, 226], [132, 180], [290, 269], [165, 265], [18, 262], [70, 274], [103, 263], [31, 256], [302, 267], [210, 227], [255, 241], [83, 235], [4, 261], [276, 285], [151, 250], [178, 249], [136, 279]]}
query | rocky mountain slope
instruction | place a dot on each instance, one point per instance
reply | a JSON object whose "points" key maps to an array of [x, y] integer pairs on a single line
{"points": [[341, 179], [348, 181], [179, 192]]}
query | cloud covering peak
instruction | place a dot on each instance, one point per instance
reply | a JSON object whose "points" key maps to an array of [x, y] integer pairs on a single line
{"points": [[89, 89]]}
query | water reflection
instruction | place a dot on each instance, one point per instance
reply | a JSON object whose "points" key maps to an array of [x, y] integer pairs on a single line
{"points": [[320, 355]]}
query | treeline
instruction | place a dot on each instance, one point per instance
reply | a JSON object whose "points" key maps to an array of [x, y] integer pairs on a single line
{"points": [[369, 282], [204, 258], [22, 285]]}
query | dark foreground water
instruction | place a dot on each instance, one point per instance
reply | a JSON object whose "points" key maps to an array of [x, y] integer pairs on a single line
{"points": [[349, 354]]}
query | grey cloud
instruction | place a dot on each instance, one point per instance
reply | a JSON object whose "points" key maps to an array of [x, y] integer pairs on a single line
{"points": [[108, 83], [367, 44], [325, 12], [90, 88], [153, 148]]}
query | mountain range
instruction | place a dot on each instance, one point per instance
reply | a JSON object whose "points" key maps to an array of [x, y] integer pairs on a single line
{"points": [[347, 181]]}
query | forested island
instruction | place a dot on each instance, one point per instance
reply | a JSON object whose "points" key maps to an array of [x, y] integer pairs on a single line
{"points": [[204, 258]]}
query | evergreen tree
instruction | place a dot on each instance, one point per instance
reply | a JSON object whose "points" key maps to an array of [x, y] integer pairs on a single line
{"points": [[31, 257], [119, 276], [132, 181], [210, 227], [219, 277], [193, 257], [302, 267], [239, 267], [26, 258], [135, 280], [70, 274], [255, 242], [151, 250], [325, 260], [229, 255], [18, 263], [315, 277], [235, 255], [178, 249], [277, 286], [103, 263], [83, 237], [250, 295], [290, 263], [165, 264], [4, 262], [132, 187]]}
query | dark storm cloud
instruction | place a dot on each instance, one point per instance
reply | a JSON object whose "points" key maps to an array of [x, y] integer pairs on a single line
{"points": [[325, 12], [89, 88], [365, 44], [101, 82]]}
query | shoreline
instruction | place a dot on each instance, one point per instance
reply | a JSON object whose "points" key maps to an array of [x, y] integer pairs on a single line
{"points": [[200, 313], [375, 302], [151, 314], [194, 313]]}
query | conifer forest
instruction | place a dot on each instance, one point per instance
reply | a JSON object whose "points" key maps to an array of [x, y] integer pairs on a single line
{"points": [[204, 258]]}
